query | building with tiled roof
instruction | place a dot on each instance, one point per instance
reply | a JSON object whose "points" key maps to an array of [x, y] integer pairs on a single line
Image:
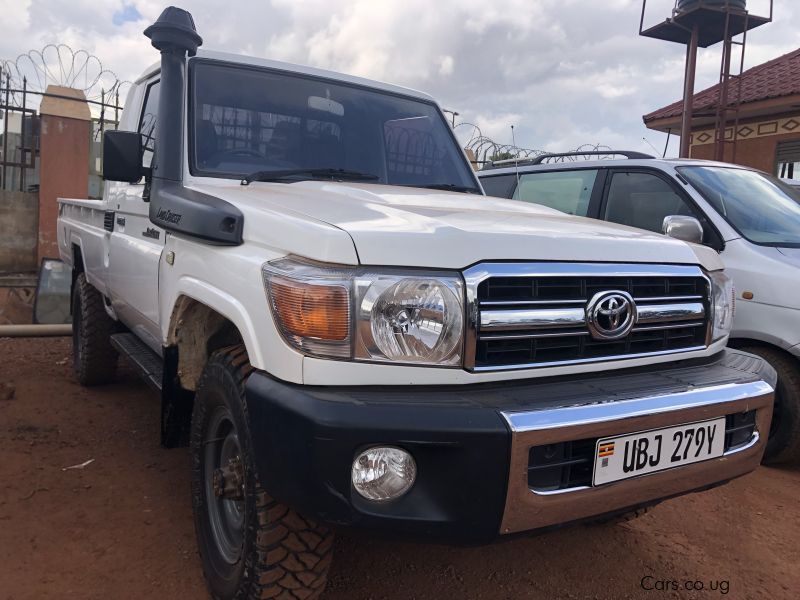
{"points": [[769, 117]]}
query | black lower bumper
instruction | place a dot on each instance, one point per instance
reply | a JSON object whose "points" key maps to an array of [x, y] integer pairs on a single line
{"points": [[305, 439]]}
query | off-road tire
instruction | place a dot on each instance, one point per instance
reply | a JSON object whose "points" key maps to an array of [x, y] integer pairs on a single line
{"points": [[783, 445], [94, 359], [282, 555]]}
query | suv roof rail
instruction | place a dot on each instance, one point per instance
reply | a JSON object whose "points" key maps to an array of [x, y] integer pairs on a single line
{"points": [[538, 160]]}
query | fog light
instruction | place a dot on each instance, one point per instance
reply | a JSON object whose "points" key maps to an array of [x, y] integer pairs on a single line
{"points": [[381, 474]]}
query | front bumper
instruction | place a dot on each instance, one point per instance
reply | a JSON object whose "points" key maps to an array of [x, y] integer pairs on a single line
{"points": [[472, 444]]}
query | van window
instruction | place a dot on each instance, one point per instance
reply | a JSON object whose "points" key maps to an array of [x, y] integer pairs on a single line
{"points": [[567, 191], [501, 186], [643, 200], [757, 205]]}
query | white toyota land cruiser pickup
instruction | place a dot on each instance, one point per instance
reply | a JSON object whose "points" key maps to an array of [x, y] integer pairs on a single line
{"points": [[343, 327]]}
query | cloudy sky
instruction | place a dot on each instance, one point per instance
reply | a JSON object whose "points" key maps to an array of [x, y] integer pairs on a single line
{"points": [[564, 72]]}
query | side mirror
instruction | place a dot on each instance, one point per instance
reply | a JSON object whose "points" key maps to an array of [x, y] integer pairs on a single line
{"points": [[122, 156], [683, 228]]}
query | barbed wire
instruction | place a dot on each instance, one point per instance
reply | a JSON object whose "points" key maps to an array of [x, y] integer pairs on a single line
{"points": [[59, 64], [486, 149]]}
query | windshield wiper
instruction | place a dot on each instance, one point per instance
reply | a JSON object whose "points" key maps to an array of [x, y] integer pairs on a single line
{"points": [[292, 174], [450, 187]]}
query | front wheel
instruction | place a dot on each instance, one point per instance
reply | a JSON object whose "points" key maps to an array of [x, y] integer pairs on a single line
{"points": [[251, 546], [783, 445]]}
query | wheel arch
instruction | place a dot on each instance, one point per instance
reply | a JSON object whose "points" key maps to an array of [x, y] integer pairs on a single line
{"points": [[196, 330], [744, 342], [77, 267], [783, 444]]}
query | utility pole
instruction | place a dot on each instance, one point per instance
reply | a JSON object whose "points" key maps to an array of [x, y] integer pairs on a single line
{"points": [[454, 114]]}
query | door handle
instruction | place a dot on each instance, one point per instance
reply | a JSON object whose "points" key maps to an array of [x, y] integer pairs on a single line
{"points": [[121, 221]]}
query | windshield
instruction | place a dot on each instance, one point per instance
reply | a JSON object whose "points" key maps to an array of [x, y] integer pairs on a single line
{"points": [[760, 207], [249, 120]]}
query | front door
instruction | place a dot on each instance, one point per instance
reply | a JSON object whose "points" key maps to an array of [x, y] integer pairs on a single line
{"points": [[642, 199], [137, 244]]}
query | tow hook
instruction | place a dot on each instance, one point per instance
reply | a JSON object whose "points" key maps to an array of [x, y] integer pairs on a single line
{"points": [[228, 481]]}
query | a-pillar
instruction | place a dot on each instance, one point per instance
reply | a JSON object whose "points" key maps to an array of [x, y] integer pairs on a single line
{"points": [[64, 158]]}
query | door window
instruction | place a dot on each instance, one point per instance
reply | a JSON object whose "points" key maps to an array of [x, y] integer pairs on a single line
{"points": [[643, 200], [147, 123], [567, 191]]}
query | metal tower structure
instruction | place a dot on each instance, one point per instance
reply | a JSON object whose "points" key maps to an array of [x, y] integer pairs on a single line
{"points": [[703, 23]]}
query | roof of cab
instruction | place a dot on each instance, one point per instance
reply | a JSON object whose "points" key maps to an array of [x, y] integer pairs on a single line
{"points": [[301, 69]]}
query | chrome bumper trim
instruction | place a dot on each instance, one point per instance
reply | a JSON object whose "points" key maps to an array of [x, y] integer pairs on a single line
{"points": [[526, 509], [571, 416], [753, 441]]}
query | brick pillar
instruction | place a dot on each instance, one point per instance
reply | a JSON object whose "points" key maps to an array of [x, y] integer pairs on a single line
{"points": [[64, 158]]}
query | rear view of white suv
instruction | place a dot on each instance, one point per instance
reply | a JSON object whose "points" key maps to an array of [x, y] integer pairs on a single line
{"points": [[750, 217]]}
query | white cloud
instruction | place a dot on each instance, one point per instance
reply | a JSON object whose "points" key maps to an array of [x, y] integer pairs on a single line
{"points": [[497, 127], [564, 72], [446, 65]]}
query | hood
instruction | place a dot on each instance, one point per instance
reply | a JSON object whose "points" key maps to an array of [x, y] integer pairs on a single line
{"points": [[404, 226], [792, 254]]}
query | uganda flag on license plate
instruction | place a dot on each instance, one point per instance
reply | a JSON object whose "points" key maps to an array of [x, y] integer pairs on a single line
{"points": [[605, 449]]}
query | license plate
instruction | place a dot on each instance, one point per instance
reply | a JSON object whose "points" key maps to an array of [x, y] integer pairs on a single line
{"points": [[635, 454]]}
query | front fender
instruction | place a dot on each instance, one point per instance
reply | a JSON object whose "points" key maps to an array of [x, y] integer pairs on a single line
{"points": [[220, 301]]}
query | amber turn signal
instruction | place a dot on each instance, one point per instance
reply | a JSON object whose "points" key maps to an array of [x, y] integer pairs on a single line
{"points": [[311, 311]]}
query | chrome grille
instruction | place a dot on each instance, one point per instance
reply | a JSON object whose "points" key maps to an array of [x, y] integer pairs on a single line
{"points": [[535, 315]]}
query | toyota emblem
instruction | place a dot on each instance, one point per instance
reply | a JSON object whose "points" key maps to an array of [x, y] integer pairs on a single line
{"points": [[611, 315]]}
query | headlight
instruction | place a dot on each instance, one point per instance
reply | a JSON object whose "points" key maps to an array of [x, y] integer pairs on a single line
{"points": [[722, 308], [417, 319], [390, 316]]}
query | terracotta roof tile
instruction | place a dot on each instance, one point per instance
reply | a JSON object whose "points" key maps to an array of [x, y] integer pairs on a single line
{"points": [[773, 79]]}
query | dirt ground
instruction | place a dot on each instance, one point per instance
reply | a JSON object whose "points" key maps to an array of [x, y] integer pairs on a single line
{"points": [[121, 527]]}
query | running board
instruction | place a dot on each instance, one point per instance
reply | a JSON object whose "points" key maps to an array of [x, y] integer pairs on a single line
{"points": [[148, 363]]}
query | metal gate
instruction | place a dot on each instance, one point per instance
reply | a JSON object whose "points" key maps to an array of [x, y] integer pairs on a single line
{"points": [[20, 127]]}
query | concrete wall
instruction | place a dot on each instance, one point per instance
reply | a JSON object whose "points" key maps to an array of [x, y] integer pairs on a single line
{"points": [[19, 219]]}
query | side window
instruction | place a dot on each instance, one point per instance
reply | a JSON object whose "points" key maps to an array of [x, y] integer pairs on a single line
{"points": [[501, 186], [147, 123], [567, 191], [643, 200]]}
